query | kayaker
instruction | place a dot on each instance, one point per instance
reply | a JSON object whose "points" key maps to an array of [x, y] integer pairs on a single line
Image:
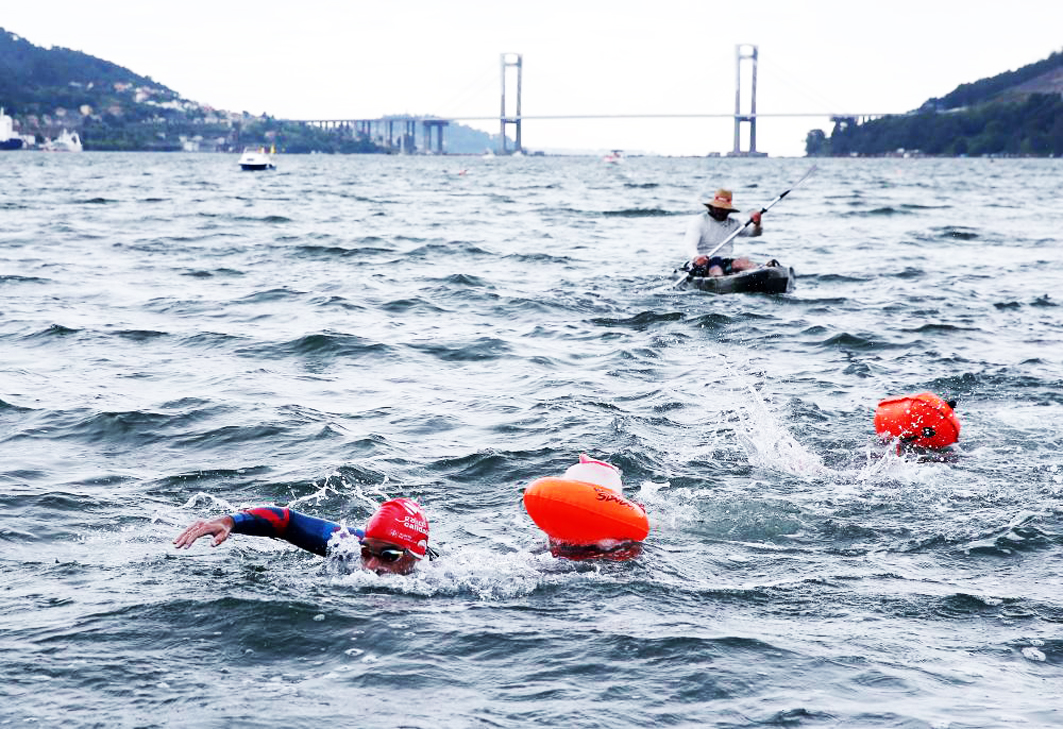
{"points": [[394, 540], [709, 229]]}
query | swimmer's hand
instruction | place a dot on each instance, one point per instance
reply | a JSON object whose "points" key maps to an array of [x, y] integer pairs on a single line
{"points": [[221, 528]]}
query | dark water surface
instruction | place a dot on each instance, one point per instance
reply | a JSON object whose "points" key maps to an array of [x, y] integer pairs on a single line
{"points": [[179, 339]]}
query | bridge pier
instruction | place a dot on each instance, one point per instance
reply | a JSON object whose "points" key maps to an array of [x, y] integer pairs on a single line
{"points": [[410, 138], [504, 119], [741, 54], [439, 125]]}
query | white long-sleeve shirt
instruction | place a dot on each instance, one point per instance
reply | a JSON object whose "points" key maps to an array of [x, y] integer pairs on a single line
{"points": [[705, 233]]}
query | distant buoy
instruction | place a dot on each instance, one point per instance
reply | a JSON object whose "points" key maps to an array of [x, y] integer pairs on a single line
{"points": [[923, 420]]}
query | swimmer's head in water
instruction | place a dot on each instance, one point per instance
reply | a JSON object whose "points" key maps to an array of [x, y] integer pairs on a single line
{"points": [[396, 536]]}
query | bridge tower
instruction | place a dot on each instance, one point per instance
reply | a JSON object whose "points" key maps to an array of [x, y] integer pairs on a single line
{"points": [[746, 52], [511, 60]]}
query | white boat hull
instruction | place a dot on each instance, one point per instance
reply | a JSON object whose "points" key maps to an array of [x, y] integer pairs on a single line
{"points": [[256, 161]]}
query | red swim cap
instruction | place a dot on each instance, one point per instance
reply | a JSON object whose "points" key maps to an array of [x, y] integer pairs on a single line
{"points": [[402, 522]]}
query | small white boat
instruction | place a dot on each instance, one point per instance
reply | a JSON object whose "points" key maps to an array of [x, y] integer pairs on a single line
{"points": [[614, 158], [256, 159], [65, 142]]}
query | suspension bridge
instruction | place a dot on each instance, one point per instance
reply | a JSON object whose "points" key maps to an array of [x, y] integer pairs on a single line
{"points": [[399, 133]]}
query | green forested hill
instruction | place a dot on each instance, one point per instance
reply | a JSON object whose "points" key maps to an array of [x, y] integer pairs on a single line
{"points": [[1013, 113], [1042, 76], [36, 80], [47, 90]]}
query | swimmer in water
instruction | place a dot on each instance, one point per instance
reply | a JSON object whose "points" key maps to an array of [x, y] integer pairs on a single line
{"points": [[394, 540], [607, 476]]}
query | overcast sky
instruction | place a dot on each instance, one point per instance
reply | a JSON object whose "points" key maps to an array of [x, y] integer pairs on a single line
{"points": [[354, 59]]}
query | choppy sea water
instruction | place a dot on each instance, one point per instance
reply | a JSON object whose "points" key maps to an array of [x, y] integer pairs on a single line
{"points": [[179, 339]]}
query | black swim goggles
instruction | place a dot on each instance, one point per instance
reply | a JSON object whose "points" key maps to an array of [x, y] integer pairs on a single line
{"points": [[387, 555]]}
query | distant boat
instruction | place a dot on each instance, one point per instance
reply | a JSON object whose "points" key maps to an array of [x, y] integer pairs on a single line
{"points": [[614, 158], [8, 139], [65, 142], [488, 155], [256, 159]]}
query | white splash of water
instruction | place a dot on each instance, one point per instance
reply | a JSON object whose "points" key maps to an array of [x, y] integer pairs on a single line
{"points": [[486, 573], [766, 441], [769, 444], [669, 508], [213, 501], [337, 484]]}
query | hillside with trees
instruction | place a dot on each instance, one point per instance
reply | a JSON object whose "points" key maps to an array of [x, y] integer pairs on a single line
{"points": [[46, 90], [1016, 113]]}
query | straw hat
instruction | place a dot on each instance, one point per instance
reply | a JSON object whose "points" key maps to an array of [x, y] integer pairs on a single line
{"points": [[722, 200]]}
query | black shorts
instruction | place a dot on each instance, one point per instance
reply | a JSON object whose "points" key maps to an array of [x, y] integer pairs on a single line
{"points": [[723, 263]]}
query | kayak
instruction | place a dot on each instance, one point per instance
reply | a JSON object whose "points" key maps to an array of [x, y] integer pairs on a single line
{"points": [[771, 278]]}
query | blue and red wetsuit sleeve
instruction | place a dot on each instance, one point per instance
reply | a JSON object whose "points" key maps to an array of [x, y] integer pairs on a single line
{"points": [[305, 532]]}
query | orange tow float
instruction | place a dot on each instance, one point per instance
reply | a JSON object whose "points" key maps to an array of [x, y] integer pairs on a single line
{"points": [[586, 508], [923, 420]]}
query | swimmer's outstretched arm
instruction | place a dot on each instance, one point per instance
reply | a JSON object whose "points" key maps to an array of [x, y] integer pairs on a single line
{"points": [[305, 532]]}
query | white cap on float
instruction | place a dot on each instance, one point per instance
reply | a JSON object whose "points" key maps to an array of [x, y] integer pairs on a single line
{"points": [[598, 473]]}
